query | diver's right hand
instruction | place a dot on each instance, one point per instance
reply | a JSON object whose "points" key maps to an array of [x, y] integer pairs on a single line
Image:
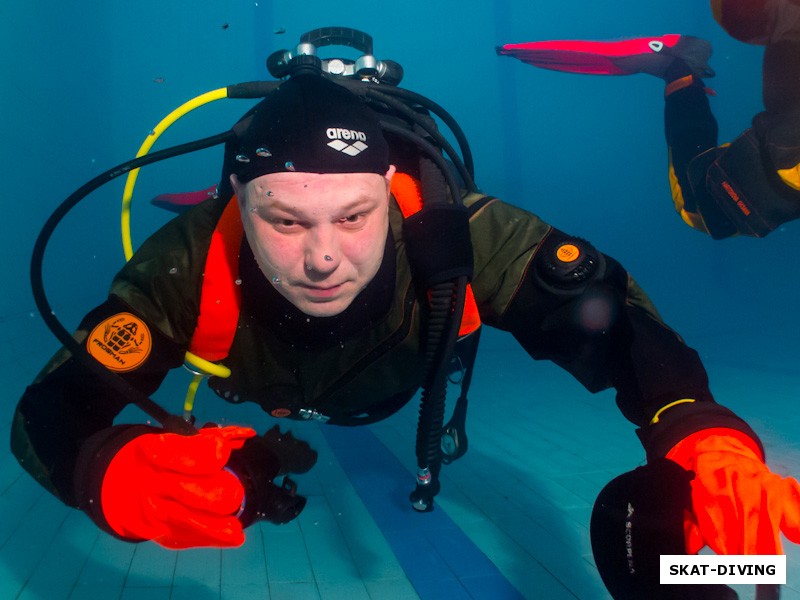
{"points": [[175, 490]]}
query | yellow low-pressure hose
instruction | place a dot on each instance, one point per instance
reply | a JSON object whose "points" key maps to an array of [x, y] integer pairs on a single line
{"points": [[198, 366], [130, 182]]}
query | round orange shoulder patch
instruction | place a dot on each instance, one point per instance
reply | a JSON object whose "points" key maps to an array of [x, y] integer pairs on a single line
{"points": [[120, 343]]}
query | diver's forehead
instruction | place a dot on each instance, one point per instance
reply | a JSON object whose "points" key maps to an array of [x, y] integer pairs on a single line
{"points": [[303, 180], [317, 193], [301, 185]]}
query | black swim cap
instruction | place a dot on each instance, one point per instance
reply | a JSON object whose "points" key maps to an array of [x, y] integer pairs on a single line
{"points": [[308, 124]]}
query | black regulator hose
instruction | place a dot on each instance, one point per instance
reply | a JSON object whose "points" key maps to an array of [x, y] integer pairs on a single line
{"points": [[447, 304], [431, 152], [170, 422], [439, 111], [463, 166], [446, 308]]}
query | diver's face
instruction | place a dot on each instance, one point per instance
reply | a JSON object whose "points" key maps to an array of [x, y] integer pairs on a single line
{"points": [[318, 238]]}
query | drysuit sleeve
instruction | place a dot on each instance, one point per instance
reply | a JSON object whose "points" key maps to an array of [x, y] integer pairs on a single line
{"points": [[566, 302], [67, 404], [139, 334]]}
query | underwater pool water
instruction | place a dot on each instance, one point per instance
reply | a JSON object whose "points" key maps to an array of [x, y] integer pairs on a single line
{"points": [[585, 153]]}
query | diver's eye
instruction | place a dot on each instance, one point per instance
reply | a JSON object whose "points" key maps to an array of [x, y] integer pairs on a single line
{"points": [[355, 219], [284, 224]]}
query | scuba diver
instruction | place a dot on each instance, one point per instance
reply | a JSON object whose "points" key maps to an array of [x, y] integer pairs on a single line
{"points": [[748, 187], [342, 266]]}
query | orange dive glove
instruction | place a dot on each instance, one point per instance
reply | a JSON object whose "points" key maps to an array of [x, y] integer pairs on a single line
{"points": [[739, 506], [174, 489]]}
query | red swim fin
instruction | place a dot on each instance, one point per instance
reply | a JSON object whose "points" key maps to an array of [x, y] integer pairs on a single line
{"points": [[183, 200], [621, 57]]}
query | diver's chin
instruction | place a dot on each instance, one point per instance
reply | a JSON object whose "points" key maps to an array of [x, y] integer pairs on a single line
{"points": [[331, 308]]}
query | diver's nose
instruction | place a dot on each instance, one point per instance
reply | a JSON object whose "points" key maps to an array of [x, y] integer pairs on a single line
{"points": [[324, 263], [322, 255]]}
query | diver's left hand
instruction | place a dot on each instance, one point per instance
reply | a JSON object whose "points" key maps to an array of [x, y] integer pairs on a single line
{"points": [[739, 506]]}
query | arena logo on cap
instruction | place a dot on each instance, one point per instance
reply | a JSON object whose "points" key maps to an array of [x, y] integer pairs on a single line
{"points": [[347, 141]]}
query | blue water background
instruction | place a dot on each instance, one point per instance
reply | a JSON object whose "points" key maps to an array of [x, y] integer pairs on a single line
{"points": [[84, 82]]}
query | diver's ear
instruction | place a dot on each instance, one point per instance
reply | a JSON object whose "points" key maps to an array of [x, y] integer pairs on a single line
{"points": [[238, 188], [389, 174], [235, 183]]}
